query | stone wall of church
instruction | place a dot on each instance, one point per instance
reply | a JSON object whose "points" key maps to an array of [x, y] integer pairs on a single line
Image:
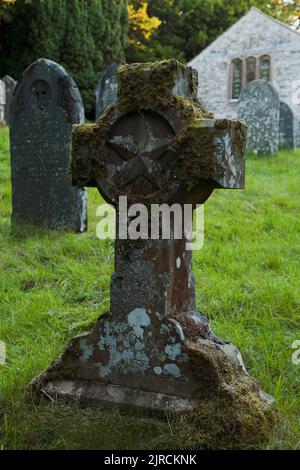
{"points": [[254, 35]]}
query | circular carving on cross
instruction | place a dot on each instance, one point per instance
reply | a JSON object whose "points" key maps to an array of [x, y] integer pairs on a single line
{"points": [[138, 160]]}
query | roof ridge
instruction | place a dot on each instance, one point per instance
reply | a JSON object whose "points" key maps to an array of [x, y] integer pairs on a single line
{"points": [[281, 23], [256, 10]]}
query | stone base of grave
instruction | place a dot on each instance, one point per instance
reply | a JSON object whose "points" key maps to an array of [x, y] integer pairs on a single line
{"points": [[126, 364], [96, 394]]}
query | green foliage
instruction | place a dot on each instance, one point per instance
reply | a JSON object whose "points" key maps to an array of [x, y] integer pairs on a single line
{"points": [[54, 286], [80, 35], [188, 26], [5, 7]]}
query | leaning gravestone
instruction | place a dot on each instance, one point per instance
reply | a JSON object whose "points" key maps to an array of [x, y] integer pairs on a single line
{"points": [[286, 127], [10, 85], [157, 144], [2, 101], [107, 88], [45, 105], [259, 109]]}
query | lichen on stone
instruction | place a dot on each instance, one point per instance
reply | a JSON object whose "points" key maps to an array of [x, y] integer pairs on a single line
{"points": [[150, 86]]}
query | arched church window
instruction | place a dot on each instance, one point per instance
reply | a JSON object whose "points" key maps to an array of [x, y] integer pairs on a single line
{"points": [[237, 72], [265, 68], [250, 69]]}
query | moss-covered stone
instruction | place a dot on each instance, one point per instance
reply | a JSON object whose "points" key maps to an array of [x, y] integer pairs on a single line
{"points": [[149, 86], [224, 424], [169, 89], [155, 84]]}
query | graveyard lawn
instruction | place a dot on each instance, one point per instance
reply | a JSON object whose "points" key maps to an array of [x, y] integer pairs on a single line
{"points": [[53, 286]]}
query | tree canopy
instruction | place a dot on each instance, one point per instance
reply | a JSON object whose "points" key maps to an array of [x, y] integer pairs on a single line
{"points": [[182, 28], [82, 35]]}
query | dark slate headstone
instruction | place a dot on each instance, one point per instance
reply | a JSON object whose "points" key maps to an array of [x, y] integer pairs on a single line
{"points": [[45, 105], [10, 84], [107, 88], [286, 127], [259, 109], [2, 100]]}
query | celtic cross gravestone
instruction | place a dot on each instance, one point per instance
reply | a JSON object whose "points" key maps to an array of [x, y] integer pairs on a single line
{"points": [[156, 145]]}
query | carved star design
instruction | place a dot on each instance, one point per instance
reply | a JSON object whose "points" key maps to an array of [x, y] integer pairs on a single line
{"points": [[140, 153]]}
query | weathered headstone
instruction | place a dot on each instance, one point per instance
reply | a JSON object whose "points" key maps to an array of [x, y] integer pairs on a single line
{"points": [[259, 109], [107, 88], [2, 100], [45, 105], [157, 144], [10, 85], [286, 127]]}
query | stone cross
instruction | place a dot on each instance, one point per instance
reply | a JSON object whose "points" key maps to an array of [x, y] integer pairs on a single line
{"points": [[157, 144], [45, 105], [10, 84], [107, 88]]}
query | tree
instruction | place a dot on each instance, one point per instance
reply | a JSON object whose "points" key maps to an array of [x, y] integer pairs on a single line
{"points": [[5, 9], [286, 11], [142, 28], [82, 35], [188, 26]]}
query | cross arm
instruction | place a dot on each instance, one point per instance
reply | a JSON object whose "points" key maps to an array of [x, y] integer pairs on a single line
{"points": [[87, 157], [212, 151]]}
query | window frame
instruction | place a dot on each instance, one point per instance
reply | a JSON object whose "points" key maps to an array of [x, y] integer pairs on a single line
{"points": [[244, 83]]}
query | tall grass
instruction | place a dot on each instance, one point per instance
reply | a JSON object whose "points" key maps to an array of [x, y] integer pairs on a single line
{"points": [[53, 286]]}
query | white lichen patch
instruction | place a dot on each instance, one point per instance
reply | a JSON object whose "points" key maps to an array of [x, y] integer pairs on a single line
{"points": [[138, 319], [172, 351], [87, 349], [158, 370], [173, 370], [125, 345], [179, 331], [129, 346]]}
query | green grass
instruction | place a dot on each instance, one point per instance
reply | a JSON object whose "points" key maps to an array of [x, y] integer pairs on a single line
{"points": [[53, 286]]}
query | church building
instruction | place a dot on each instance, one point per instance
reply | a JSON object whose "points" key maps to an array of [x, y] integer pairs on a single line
{"points": [[256, 47]]}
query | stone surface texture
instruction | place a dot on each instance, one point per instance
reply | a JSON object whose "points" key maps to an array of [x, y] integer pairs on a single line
{"points": [[154, 349], [45, 105], [258, 108], [10, 85], [2, 100], [286, 127], [256, 34], [107, 88]]}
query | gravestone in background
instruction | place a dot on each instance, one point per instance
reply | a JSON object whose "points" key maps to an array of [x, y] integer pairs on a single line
{"points": [[286, 127], [107, 88], [45, 105], [258, 108], [2, 100], [10, 84], [154, 349]]}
